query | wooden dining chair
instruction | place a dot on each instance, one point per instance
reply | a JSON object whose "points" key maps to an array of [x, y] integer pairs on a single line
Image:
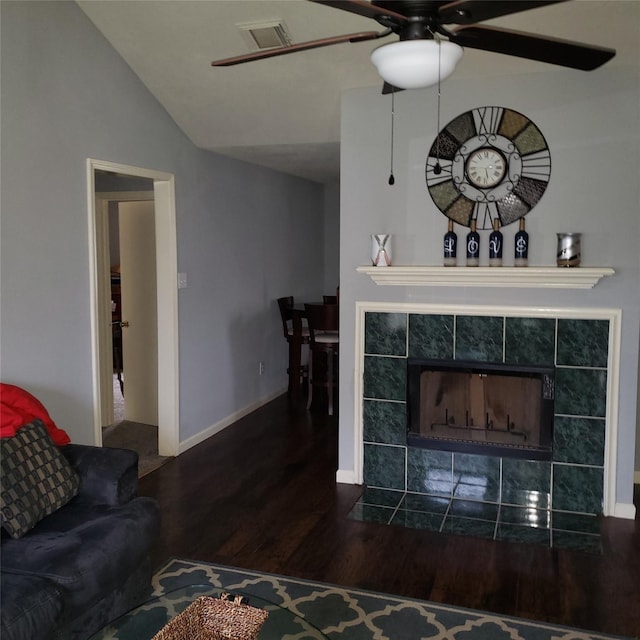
{"points": [[330, 299], [296, 333], [324, 340]]}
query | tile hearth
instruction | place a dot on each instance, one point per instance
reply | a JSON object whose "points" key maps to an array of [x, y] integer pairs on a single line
{"points": [[489, 520]]}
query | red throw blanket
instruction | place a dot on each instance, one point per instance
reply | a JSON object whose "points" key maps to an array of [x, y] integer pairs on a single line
{"points": [[18, 407]]}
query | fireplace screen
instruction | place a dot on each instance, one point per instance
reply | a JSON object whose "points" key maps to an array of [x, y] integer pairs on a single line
{"points": [[481, 408]]}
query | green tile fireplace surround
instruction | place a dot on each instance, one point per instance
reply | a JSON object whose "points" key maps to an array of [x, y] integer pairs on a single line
{"points": [[569, 486]]}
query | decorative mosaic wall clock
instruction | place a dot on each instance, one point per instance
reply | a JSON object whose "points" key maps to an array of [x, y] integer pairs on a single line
{"points": [[488, 163]]}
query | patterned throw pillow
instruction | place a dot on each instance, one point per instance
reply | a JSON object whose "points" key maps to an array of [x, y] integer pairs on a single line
{"points": [[36, 478]]}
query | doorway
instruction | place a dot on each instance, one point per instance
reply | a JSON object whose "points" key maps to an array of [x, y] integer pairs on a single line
{"points": [[163, 300]]}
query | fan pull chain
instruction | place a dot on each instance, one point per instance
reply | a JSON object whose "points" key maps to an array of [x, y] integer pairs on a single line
{"points": [[392, 180], [437, 169]]}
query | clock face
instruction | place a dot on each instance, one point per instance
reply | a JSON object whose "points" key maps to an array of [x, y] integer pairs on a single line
{"points": [[488, 163], [486, 167]]}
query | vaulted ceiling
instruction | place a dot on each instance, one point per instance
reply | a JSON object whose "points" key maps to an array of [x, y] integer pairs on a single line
{"points": [[284, 112]]}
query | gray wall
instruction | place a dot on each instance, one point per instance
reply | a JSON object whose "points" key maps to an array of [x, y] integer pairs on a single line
{"points": [[246, 235], [331, 237], [592, 125]]}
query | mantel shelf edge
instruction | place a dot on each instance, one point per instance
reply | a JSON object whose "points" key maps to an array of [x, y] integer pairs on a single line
{"points": [[514, 277]]}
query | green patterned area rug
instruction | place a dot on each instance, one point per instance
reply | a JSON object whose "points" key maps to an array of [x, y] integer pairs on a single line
{"points": [[355, 614]]}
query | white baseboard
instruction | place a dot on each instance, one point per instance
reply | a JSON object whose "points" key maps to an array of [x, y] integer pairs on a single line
{"points": [[624, 510], [345, 476], [185, 445]]}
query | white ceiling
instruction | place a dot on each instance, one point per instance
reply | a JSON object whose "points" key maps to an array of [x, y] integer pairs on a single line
{"points": [[284, 112]]}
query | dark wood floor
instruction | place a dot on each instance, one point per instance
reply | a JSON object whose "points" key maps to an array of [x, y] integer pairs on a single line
{"points": [[262, 495]]}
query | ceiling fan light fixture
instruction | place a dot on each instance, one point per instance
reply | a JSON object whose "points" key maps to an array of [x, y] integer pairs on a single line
{"points": [[414, 64]]}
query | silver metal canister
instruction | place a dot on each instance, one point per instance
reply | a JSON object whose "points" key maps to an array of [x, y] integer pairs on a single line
{"points": [[568, 253]]}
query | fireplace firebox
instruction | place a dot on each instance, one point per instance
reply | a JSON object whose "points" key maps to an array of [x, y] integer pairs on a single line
{"points": [[481, 407]]}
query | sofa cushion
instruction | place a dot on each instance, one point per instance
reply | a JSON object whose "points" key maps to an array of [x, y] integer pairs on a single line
{"points": [[36, 478], [30, 607], [85, 549], [18, 407]]}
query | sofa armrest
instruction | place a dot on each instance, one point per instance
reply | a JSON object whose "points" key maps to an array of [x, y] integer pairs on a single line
{"points": [[107, 476]]}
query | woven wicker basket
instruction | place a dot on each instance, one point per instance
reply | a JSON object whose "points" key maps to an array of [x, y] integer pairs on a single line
{"points": [[208, 618]]}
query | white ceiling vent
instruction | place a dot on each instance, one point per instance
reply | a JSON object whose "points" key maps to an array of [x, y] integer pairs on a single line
{"points": [[265, 35]]}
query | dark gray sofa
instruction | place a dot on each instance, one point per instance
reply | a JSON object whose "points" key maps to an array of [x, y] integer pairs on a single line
{"points": [[88, 562]]}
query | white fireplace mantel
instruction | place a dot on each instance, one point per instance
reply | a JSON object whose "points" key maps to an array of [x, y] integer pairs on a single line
{"points": [[516, 277]]}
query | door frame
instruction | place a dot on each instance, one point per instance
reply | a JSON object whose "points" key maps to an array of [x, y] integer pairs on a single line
{"points": [[167, 298]]}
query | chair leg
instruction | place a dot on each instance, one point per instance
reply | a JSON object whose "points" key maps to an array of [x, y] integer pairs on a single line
{"points": [[310, 379], [295, 370], [330, 381]]}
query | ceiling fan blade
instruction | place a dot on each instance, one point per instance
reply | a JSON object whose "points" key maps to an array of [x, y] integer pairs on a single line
{"points": [[565, 53], [302, 46], [366, 9], [473, 11]]}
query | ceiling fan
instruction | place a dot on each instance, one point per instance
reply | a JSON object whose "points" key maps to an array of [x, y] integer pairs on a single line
{"points": [[427, 50]]}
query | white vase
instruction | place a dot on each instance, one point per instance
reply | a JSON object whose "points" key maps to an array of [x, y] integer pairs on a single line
{"points": [[381, 249]]}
